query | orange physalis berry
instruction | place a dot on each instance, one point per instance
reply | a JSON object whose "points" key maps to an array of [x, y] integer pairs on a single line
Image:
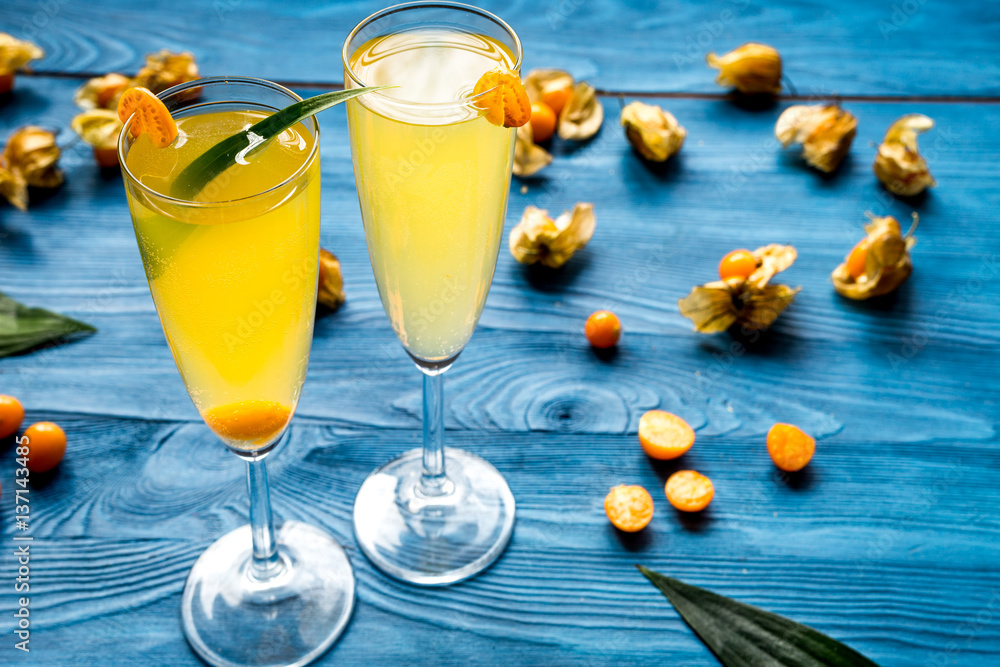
{"points": [[603, 329], [737, 264], [557, 98], [689, 491], [46, 446], [150, 116], [790, 448], [252, 422], [6, 82], [664, 435], [11, 415], [106, 157], [629, 508], [857, 259], [543, 121], [501, 93]]}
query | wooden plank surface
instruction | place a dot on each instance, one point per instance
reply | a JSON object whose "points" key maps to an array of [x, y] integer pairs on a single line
{"points": [[889, 542], [909, 47]]}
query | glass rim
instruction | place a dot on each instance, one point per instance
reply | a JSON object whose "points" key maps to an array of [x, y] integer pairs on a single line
{"points": [[201, 83], [422, 4]]}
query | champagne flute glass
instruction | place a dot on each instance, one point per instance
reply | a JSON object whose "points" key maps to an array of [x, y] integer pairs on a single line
{"points": [[233, 275], [432, 176]]}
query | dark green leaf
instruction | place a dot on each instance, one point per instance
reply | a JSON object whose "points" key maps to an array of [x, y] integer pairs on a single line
{"points": [[222, 155], [23, 328], [743, 636]]}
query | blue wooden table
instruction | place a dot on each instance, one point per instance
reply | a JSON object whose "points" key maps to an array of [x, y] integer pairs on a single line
{"points": [[889, 542]]}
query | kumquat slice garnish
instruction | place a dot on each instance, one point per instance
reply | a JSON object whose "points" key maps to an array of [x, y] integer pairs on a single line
{"points": [[149, 115], [501, 93]]}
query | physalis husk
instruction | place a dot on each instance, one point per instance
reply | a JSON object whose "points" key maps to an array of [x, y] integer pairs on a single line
{"points": [[825, 132], [752, 304], [539, 238], [30, 158], [899, 164], [752, 69], [653, 132], [529, 157], [879, 263]]}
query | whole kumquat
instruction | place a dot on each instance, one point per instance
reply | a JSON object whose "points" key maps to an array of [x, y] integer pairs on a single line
{"points": [[11, 415], [737, 264], [857, 259], [663, 435], [689, 491], [46, 446], [790, 447], [557, 98], [543, 121], [603, 329], [629, 508]]}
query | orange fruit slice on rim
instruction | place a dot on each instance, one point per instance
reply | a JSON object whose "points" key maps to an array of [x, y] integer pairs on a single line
{"points": [[150, 116], [501, 93]]}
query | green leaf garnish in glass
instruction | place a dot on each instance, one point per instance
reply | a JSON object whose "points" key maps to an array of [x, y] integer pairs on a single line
{"points": [[740, 634], [224, 154], [23, 328]]}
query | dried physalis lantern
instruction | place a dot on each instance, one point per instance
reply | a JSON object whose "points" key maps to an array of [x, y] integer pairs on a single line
{"points": [[879, 263], [539, 238], [331, 282], [30, 158], [746, 300], [825, 132], [899, 164], [653, 132], [100, 128], [751, 69], [101, 92], [165, 70], [583, 114], [529, 157], [14, 54]]}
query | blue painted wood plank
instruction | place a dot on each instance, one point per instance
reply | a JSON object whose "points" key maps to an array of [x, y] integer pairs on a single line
{"points": [[889, 542], [856, 47]]}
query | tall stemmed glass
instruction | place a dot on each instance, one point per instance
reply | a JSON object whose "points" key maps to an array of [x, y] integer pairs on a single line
{"points": [[432, 177], [234, 278]]}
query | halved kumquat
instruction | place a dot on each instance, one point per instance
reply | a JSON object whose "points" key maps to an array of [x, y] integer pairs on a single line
{"points": [[689, 491], [150, 116], [664, 435], [629, 508]]}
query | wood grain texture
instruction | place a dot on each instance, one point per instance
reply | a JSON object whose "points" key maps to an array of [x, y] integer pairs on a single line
{"points": [[911, 47], [888, 542]]}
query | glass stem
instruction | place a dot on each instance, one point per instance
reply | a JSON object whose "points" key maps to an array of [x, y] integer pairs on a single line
{"points": [[266, 563], [434, 481]]}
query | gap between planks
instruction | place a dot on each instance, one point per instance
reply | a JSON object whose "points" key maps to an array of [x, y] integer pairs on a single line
{"points": [[940, 99]]}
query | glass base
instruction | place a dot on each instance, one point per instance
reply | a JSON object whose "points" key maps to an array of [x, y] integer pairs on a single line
{"points": [[434, 540], [232, 619]]}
